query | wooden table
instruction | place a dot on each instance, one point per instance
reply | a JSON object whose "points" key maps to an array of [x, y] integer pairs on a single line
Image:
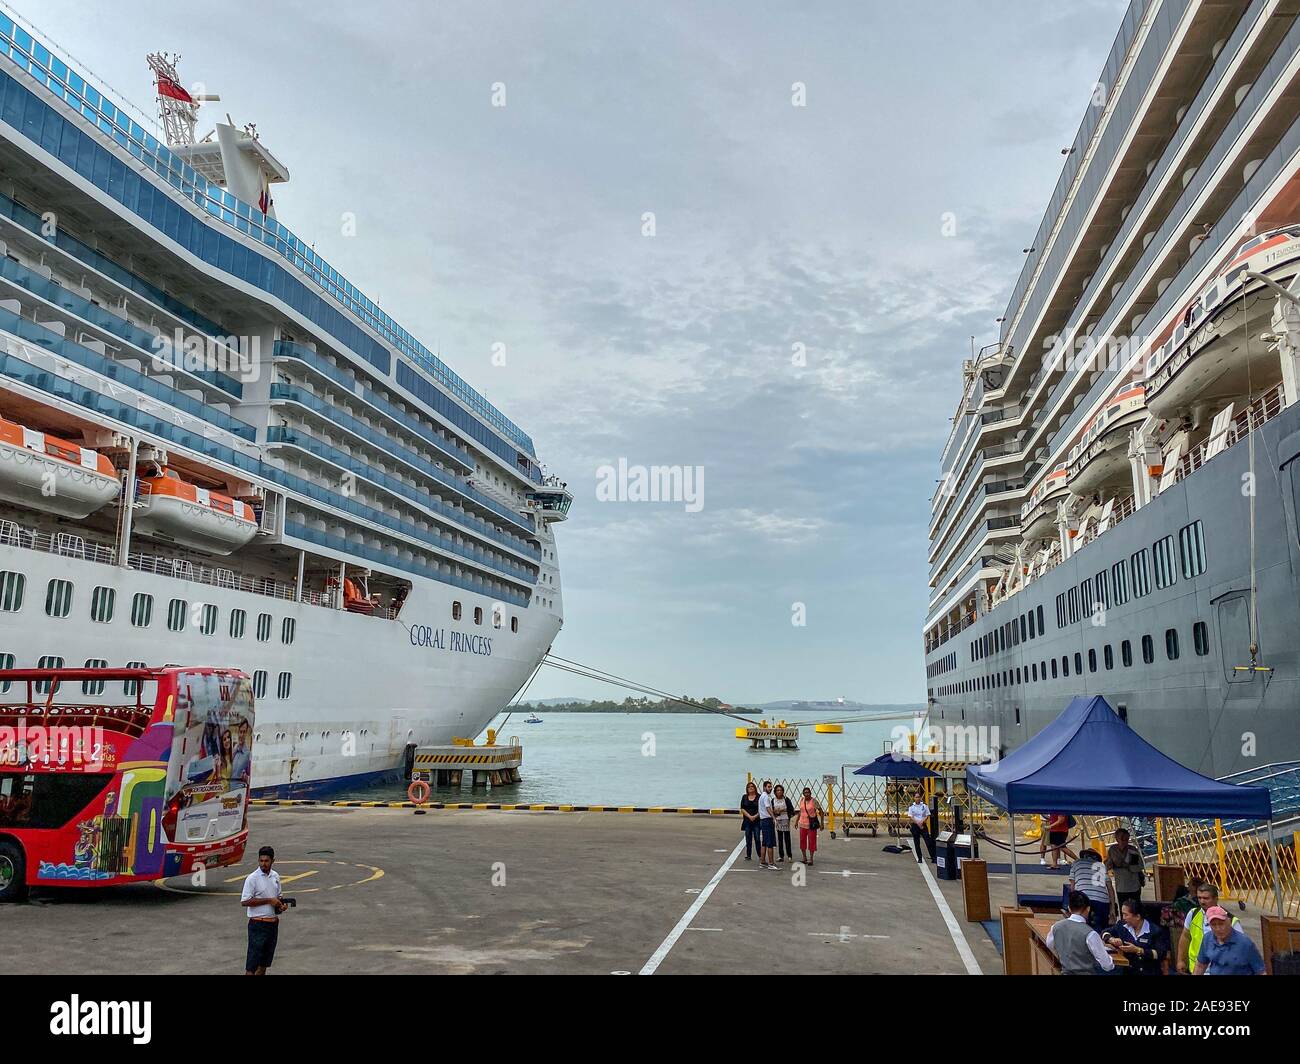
{"points": [[1042, 960]]}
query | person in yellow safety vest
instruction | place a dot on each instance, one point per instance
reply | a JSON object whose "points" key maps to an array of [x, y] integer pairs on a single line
{"points": [[1189, 945]]}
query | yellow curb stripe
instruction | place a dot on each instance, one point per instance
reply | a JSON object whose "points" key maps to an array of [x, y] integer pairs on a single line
{"points": [[508, 808]]}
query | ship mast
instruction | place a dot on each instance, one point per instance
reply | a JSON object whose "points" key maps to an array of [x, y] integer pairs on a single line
{"points": [[234, 158], [178, 108]]}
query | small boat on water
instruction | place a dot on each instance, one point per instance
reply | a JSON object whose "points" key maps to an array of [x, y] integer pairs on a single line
{"points": [[533, 718]]}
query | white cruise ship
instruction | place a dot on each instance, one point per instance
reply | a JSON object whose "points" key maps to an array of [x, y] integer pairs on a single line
{"points": [[1117, 505], [314, 497]]}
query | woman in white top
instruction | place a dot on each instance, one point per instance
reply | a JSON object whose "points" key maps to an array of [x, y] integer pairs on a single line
{"points": [[781, 810]]}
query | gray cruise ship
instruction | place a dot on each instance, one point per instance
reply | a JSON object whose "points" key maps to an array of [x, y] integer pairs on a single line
{"points": [[1118, 508]]}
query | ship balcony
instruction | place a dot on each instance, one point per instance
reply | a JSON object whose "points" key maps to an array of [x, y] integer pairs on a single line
{"points": [[552, 500]]}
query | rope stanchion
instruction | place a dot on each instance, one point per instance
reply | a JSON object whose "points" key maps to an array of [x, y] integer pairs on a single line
{"points": [[984, 837]]}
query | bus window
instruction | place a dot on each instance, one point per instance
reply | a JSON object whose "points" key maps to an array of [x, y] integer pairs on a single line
{"points": [[47, 801]]}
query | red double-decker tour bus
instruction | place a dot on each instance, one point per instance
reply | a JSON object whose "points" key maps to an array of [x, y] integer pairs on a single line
{"points": [[119, 775]]}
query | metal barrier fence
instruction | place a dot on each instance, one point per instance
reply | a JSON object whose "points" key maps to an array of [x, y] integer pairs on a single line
{"points": [[1234, 854], [975, 811], [823, 790], [1235, 859], [873, 803], [879, 804]]}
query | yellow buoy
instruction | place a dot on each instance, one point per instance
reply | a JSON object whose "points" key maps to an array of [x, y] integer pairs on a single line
{"points": [[829, 729]]}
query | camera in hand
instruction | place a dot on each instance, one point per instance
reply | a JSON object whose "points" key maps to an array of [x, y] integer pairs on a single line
{"points": [[291, 902]]}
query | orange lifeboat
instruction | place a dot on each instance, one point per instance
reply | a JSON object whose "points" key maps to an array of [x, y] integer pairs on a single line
{"points": [[175, 510], [1038, 515], [353, 599], [1100, 457], [43, 472]]}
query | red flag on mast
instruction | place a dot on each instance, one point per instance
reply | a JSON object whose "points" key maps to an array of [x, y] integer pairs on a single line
{"points": [[169, 88]]}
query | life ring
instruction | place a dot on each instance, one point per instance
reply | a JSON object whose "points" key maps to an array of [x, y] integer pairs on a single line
{"points": [[418, 792]]}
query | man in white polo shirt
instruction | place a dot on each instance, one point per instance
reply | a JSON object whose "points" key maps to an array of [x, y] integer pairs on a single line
{"points": [[766, 828], [919, 816], [261, 897]]}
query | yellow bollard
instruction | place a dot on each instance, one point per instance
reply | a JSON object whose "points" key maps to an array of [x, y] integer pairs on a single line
{"points": [[830, 806], [1223, 857]]}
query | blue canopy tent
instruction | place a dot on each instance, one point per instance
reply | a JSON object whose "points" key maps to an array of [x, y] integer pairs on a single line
{"points": [[1089, 761], [895, 766]]}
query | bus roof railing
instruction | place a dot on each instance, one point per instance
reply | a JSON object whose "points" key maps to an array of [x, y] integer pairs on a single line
{"points": [[79, 674], [105, 674]]}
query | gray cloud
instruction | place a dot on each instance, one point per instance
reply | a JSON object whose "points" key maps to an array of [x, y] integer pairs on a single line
{"points": [[775, 225]]}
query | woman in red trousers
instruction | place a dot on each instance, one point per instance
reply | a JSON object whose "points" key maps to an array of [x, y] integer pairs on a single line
{"points": [[810, 821]]}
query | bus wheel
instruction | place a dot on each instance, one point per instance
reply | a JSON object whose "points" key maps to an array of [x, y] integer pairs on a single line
{"points": [[13, 872]]}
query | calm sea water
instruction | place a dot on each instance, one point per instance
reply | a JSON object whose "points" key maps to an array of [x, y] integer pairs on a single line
{"points": [[655, 759]]}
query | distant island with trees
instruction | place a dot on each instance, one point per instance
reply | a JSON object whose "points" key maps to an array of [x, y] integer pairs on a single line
{"points": [[636, 705], [834, 707]]}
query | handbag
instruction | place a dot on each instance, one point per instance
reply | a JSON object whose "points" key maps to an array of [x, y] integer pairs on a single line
{"points": [[814, 823]]}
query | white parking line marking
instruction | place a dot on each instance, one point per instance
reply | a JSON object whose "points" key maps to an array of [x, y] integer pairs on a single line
{"points": [[846, 873], [652, 965], [843, 936], [954, 928]]}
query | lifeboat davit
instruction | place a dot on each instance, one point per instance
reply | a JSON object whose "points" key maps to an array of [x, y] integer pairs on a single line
{"points": [[1038, 515], [1206, 357], [180, 512], [1101, 455], [43, 472], [354, 599]]}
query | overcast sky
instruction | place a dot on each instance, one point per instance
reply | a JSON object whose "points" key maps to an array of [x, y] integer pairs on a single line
{"points": [[774, 225]]}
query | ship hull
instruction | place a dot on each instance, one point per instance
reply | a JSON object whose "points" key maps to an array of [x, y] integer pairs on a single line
{"points": [[361, 689], [1199, 708]]}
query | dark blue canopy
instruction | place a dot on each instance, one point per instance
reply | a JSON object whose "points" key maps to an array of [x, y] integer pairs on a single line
{"points": [[1089, 761], [895, 766]]}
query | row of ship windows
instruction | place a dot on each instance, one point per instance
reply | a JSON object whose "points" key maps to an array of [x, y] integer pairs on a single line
{"points": [[945, 664], [281, 737], [498, 616], [1135, 575], [283, 685], [203, 616], [1040, 670], [1107, 588], [103, 605]]}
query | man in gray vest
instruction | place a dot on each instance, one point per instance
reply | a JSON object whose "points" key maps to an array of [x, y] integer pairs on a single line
{"points": [[1077, 945]]}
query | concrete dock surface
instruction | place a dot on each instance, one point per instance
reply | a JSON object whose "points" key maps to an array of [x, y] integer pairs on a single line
{"points": [[389, 891]]}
